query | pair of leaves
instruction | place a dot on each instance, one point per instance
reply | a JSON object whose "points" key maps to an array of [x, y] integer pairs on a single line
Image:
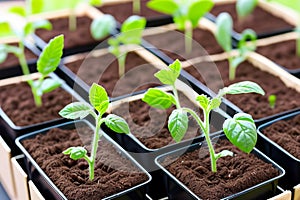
{"points": [[76, 152], [208, 104]]}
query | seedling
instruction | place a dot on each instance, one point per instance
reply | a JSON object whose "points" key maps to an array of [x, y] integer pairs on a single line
{"points": [[245, 7], [99, 100], [240, 130], [130, 33], [246, 44], [272, 100], [186, 14]]}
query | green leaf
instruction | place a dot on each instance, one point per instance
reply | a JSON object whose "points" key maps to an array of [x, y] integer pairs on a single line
{"points": [[117, 124], [203, 101], [36, 6], [95, 2], [272, 100], [241, 131], [223, 32], [158, 99], [19, 10], [50, 57], [103, 26], [3, 53], [76, 110], [42, 24], [76, 152], [242, 88], [132, 30], [49, 85], [179, 20], [5, 29], [223, 153], [245, 7], [168, 7], [98, 98], [198, 9], [214, 103], [28, 29], [169, 76], [178, 124]]}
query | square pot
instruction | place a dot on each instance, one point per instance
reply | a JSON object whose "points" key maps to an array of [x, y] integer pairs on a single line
{"points": [[50, 191], [178, 190], [280, 150], [279, 21]]}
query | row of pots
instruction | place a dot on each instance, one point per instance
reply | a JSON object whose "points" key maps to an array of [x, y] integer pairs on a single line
{"points": [[150, 159]]}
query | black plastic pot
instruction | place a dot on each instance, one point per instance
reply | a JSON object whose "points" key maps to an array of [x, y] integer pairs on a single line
{"points": [[50, 191], [10, 131], [177, 190], [285, 159]]}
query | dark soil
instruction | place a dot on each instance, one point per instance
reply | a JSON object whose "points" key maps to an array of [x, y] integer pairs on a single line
{"points": [[286, 134], [12, 60], [81, 36], [113, 173], [254, 104], [172, 44], [17, 102], [282, 53], [122, 11], [104, 70], [234, 174], [150, 125], [256, 20]]}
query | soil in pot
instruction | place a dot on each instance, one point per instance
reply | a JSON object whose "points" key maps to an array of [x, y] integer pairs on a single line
{"points": [[139, 74], [17, 102], [286, 134], [113, 173], [12, 60], [234, 174], [81, 36], [256, 20], [121, 11], [172, 44], [282, 53], [254, 104]]}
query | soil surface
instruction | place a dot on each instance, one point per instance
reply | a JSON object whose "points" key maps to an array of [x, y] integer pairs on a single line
{"points": [[81, 36], [12, 60], [256, 20], [172, 44], [122, 11], [150, 125], [104, 70], [216, 77], [17, 102], [234, 174], [286, 134], [113, 172], [282, 53]]}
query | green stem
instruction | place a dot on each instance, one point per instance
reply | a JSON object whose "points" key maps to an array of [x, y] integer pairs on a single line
{"points": [[232, 69], [121, 62], [188, 36], [72, 21], [37, 98], [175, 92], [206, 130], [136, 6], [298, 45]]}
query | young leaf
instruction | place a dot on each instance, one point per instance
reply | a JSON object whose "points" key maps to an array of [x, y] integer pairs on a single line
{"points": [[272, 100], [117, 124], [245, 7], [5, 29], [241, 131], [214, 103], [178, 124], [203, 101], [168, 7], [169, 76], [223, 32], [132, 29], [198, 9], [95, 2], [19, 10], [98, 98], [75, 110], [41, 24], [75, 152], [49, 85], [224, 153], [158, 99], [242, 88], [103, 26], [51, 55]]}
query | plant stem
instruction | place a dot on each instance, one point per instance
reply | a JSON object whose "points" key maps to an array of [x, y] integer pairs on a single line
{"points": [[37, 98], [72, 21], [298, 45], [176, 97], [136, 6], [121, 62], [232, 69], [206, 130], [188, 37]]}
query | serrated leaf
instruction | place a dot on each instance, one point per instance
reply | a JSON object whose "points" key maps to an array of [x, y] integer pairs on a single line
{"points": [[158, 99], [242, 88], [241, 131], [223, 32], [214, 103], [3, 53], [178, 124], [103, 26], [198, 9], [164, 6], [117, 124], [49, 85], [98, 98], [19, 10], [245, 7], [169, 76], [203, 101], [50, 57], [75, 152], [75, 110]]}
